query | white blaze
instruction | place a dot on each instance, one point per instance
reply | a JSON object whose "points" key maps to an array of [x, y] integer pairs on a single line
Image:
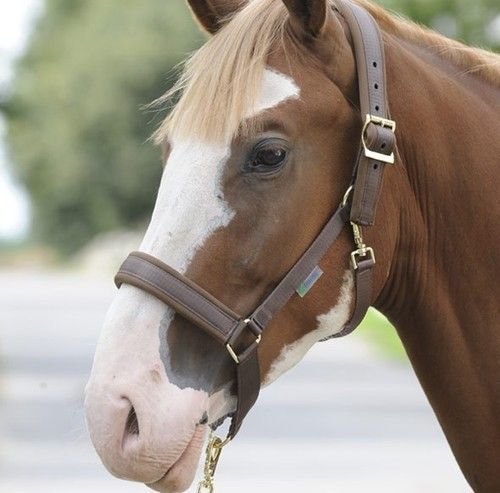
{"points": [[190, 207], [276, 88], [190, 204]]}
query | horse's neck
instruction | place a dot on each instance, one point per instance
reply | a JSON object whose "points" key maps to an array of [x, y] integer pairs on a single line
{"points": [[450, 214], [443, 292]]}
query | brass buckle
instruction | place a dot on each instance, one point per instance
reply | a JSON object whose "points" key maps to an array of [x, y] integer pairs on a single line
{"points": [[383, 122], [232, 352], [361, 253]]}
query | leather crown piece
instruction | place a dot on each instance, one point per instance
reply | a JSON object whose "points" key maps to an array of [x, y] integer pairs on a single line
{"points": [[241, 335]]}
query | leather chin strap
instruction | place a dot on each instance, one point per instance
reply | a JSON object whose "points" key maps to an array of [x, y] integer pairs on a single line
{"points": [[241, 335]]}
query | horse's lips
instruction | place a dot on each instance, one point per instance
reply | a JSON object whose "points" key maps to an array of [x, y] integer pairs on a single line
{"points": [[180, 475]]}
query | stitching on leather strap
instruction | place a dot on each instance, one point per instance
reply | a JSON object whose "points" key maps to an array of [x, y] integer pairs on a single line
{"points": [[182, 303]]}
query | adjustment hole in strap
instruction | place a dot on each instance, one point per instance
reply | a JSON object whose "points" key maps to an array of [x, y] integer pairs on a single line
{"points": [[375, 166], [383, 145], [375, 64], [375, 86], [377, 108]]}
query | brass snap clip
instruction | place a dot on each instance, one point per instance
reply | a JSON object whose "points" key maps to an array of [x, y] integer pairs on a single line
{"points": [[212, 456], [362, 250]]}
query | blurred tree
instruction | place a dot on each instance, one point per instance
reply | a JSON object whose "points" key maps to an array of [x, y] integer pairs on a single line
{"points": [[76, 132], [460, 19], [77, 135]]}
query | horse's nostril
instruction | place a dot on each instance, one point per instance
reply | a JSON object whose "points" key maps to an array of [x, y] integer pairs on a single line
{"points": [[132, 425], [131, 430]]}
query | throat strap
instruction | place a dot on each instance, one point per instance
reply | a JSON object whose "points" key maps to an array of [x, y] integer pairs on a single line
{"points": [[363, 281]]}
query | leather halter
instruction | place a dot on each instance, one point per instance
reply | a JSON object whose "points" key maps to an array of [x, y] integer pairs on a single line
{"points": [[241, 335]]}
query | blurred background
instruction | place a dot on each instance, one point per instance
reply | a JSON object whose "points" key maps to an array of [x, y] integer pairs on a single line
{"points": [[78, 179]]}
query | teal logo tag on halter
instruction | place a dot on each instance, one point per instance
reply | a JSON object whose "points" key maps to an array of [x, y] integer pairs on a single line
{"points": [[309, 282]]}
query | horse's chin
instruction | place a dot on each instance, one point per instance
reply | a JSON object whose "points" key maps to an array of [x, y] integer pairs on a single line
{"points": [[181, 475]]}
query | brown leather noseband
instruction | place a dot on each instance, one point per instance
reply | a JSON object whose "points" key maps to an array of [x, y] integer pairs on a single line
{"points": [[241, 335]]}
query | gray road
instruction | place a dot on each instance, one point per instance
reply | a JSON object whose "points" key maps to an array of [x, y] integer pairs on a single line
{"points": [[342, 421]]}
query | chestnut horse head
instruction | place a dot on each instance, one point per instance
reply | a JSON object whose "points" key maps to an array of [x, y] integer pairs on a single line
{"points": [[259, 151]]}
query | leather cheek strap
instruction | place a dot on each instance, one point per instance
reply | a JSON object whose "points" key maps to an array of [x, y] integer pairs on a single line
{"points": [[369, 174], [370, 63]]}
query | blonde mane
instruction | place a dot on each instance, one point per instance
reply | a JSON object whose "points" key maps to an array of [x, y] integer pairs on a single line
{"points": [[220, 82]]}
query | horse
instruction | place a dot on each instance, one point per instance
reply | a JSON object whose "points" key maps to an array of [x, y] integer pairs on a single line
{"points": [[258, 152]]}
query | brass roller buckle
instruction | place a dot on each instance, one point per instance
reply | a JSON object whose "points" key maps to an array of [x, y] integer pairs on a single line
{"points": [[382, 122]]}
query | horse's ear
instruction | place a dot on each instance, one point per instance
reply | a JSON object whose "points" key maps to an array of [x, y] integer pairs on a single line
{"points": [[314, 22], [307, 16], [212, 13]]}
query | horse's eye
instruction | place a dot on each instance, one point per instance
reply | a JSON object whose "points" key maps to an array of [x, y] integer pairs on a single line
{"points": [[270, 157], [267, 157]]}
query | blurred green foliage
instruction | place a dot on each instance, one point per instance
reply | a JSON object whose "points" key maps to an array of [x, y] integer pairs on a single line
{"points": [[465, 20], [77, 136], [379, 333]]}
